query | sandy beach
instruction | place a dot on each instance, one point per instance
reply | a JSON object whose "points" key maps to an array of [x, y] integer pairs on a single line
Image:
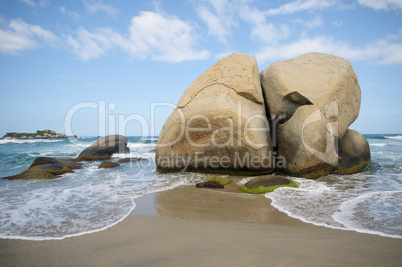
{"points": [[187, 226]]}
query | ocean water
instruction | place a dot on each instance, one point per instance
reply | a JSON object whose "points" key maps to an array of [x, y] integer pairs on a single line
{"points": [[366, 202], [92, 199]]}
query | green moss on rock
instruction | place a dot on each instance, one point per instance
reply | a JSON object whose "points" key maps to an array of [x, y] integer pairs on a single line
{"points": [[262, 189], [108, 165], [221, 180], [354, 169], [266, 183]]}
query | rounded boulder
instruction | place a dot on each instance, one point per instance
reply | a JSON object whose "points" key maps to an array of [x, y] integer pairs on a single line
{"points": [[354, 151], [104, 148], [108, 165]]}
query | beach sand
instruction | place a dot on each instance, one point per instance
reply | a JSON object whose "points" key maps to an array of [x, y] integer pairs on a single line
{"points": [[188, 226]]}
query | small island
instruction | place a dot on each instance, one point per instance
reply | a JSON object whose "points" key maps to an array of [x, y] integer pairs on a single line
{"points": [[44, 134]]}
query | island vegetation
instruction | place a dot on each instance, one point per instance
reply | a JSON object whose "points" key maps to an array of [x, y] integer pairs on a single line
{"points": [[40, 134]]}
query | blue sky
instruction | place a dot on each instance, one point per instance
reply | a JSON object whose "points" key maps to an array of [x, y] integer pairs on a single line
{"points": [[127, 58]]}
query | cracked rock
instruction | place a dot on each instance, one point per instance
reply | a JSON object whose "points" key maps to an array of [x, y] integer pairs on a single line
{"points": [[219, 123]]}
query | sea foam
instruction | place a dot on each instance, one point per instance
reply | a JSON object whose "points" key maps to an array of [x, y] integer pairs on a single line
{"points": [[92, 199], [378, 144], [397, 137], [373, 212], [86, 201]]}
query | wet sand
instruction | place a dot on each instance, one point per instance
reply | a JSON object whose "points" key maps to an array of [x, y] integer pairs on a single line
{"points": [[206, 227]]}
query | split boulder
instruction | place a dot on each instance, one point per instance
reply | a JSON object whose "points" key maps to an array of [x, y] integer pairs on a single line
{"points": [[319, 79], [312, 100]]}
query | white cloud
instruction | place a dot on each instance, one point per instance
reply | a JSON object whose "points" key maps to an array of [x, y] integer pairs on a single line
{"points": [[395, 37], [44, 3], [381, 4], [383, 51], [41, 3], [162, 38], [29, 2], [302, 5], [261, 29], [12, 43], [75, 16], [218, 16], [19, 36], [311, 24], [88, 45], [338, 23], [214, 23], [316, 22], [221, 16], [95, 6]]}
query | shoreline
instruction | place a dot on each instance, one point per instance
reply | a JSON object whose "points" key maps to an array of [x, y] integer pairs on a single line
{"points": [[207, 227]]}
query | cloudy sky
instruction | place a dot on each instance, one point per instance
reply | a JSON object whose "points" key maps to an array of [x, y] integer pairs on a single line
{"points": [[98, 63]]}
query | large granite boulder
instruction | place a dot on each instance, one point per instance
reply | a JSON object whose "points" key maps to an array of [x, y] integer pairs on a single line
{"points": [[47, 168], [354, 151], [104, 148], [312, 100], [319, 79], [307, 143], [219, 123]]}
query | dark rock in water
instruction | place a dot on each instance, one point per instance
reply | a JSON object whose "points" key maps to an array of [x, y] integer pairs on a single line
{"points": [[266, 183], [210, 184], [46, 168], [108, 164], [200, 185], [221, 180], [354, 151], [104, 148], [213, 184], [125, 160], [70, 163], [54, 169]]}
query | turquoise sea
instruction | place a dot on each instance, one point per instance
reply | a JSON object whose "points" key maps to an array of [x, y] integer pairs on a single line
{"points": [[92, 199]]}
